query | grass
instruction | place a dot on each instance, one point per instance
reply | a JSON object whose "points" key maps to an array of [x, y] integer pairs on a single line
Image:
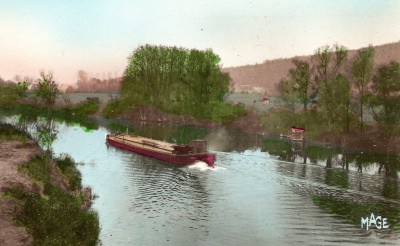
{"points": [[69, 170], [57, 218]]}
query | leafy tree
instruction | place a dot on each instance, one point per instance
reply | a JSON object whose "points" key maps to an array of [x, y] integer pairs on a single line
{"points": [[300, 77], [174, 77], [385, 99], [362, 70], [328, 61], [47, 88], [288, 93], [335, 101], [22, 88]]}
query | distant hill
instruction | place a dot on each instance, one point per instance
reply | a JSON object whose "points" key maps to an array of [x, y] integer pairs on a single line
{"points": [[268, 74]]}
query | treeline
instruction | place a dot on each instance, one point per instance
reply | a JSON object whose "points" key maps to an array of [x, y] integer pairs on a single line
{"points": [[89, 84], [177, 80], [342, 92]]}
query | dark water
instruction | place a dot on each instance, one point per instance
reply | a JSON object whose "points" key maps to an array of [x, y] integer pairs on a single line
{"points": [[263, 191]]}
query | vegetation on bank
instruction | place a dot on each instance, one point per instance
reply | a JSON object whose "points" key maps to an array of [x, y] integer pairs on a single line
{"points": [[335, 93], [60, 215], [13, 100], [14, 96], [178, 81]]}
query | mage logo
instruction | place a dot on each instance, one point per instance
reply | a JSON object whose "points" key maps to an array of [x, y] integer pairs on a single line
{"points": [[379, 222]]}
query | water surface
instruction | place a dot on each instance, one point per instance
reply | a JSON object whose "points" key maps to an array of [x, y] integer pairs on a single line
{"points": [[263, 192]]}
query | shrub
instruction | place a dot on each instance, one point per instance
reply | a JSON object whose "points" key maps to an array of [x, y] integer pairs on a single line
{"points": [[58, 217], [115, 107]]}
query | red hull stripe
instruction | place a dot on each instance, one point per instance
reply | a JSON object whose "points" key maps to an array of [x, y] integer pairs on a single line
{"points": [[183, 160]]}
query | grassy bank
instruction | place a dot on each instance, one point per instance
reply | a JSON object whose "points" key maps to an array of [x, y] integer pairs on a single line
{"points": [[221, 113], [77, 114], [57, 212]]}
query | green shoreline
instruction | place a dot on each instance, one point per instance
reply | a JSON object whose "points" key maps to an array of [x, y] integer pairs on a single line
{"points": [[57, 211]]}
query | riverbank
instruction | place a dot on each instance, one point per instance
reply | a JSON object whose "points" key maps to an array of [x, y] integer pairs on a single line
{"points": [[13, 154], [41, 198]]}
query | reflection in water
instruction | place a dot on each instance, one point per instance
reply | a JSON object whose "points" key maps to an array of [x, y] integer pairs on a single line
{"points": [[43, 130], [296, 193], [351, 193]]}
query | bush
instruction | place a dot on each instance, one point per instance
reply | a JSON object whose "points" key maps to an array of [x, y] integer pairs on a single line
{"points": [[224, 113], [8, 95], [87, 108], [59, 220], [115, 107], [68, 168], [58, 217]]}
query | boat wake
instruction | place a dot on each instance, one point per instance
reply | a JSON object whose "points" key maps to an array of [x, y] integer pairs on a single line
{"points": [[202, 166]]}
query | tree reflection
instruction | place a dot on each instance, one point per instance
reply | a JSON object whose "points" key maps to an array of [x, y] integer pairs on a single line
{"points": [[43, 130], [46, 132], [389, 166], [354, 211]]}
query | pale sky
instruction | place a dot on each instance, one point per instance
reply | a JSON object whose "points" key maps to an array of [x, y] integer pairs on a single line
{"points": [[98, 35]]}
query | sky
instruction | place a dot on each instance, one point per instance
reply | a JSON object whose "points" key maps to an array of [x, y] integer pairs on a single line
{"points": [[98, 36]]}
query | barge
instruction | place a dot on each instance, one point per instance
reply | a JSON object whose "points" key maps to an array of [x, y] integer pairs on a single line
{"points": [[196, 150]]}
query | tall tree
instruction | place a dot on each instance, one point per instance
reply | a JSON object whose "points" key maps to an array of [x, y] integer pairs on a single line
{"points": [[288, 92], [385, 100], [335, 101], [362, 70], [300, 76], [328, 62]]}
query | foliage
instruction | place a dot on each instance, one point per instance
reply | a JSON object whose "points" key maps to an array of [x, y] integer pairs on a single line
{"points": [[176, 80], [68, 167], [22, 88], [288, 93], [9, 95], [57, 218], [328, 61], [30, 114], [385, 99], [115, 107], [362, 70], [300, 77], [161, 75], [46, 88], [280, 122], [335, 102], [224, 113], [87, 108]]}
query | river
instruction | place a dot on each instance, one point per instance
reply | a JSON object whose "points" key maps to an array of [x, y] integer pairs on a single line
{"points": [[263, 191]]}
